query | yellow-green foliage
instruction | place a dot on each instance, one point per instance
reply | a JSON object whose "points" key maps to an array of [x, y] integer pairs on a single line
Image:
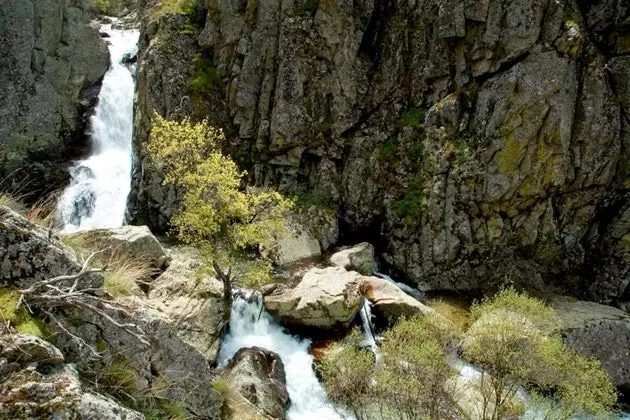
{"points": [[21, 319], [177, 7], [215, 210], [8, 200], [409, 381], [513, 341]]}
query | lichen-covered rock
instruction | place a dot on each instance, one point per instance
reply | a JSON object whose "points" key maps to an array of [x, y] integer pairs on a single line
{"points": [[29, 253], [324, 299], [464, 137], [390, 301], [25, 349], [194, 303], [598, 331], [359, 258], [258, 376], [58, 393], [136, 242], [51, 66]]}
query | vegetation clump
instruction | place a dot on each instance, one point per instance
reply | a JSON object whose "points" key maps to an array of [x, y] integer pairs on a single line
{"points": [[20, 318], [513, 339]]}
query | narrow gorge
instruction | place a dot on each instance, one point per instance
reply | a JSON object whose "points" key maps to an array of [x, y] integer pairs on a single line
{"points": [[315, 209]]}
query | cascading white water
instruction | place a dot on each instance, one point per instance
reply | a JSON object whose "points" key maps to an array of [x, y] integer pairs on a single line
{"points": [[97, 195], [251, 325]]}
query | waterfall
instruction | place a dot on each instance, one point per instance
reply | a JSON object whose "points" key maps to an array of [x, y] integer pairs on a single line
{"points": [[251, 325], [97, 194], [414, 293]]}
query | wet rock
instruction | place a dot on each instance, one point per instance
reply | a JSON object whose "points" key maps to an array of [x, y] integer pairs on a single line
{"points": [[25, 349], [359, 258], [390, 301], [598, 331], [324, 299], [29, 253], [136, 242], [257, 375]]}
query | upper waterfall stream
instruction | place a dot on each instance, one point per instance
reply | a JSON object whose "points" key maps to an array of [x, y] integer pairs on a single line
{"points": [[97, 194]]}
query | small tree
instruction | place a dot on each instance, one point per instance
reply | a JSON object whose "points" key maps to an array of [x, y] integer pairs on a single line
{"points": [[216, 213], [512, 339]]}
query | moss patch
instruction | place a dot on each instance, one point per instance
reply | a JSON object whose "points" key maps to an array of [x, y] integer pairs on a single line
{"points": [[21, 319], [511, 155], [176, 7]]}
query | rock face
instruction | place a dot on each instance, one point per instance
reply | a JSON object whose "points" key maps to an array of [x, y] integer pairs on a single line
{"points": [[136, 242], [388, 300], [324, 299], [51, 66], [598, 331], [359, 258], [195, 304], [29, 253], [258, 376], [466, 137]]}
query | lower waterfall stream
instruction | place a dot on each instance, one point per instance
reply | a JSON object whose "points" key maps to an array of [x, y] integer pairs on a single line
{"points": [[251, 325]]}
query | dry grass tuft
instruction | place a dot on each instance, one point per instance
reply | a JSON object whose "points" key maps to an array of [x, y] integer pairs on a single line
{"points": [[123, 274]]}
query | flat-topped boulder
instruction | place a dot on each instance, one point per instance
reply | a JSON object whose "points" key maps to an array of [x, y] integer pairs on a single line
{"points": [[598, 331], [136, 242], [326, 298], [359, 258]]}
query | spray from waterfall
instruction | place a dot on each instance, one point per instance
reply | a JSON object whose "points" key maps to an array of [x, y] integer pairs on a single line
{"points": [[97, 194]]}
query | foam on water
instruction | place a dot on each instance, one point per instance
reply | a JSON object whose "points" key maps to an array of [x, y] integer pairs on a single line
{"points": [[251, 325], [97, 194]]}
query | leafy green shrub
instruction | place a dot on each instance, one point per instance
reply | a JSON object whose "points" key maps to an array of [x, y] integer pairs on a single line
{"points": [[408, 381], [512, 339], [413, 117], [411, 206], [206, 78]]}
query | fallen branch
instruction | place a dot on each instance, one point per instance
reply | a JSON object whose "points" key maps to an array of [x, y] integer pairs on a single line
{"points": [[56, 292]]}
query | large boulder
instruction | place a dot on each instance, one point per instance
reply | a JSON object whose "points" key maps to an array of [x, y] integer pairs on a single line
{"points": [[297, 244], [136, 242], [257, 375], [29, 253], [325, 298], [58, 393], [598, 331], [359, 258], [194, 303], [148, 350], [390, 301], [51, 67]]}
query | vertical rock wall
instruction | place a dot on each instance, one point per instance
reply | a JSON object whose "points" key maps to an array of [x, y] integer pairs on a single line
{"points": [[476, 141]]}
